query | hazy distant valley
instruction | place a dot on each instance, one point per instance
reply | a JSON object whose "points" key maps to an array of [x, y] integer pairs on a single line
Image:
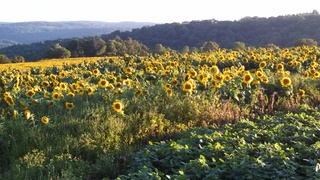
{"points": [[30, 32]]}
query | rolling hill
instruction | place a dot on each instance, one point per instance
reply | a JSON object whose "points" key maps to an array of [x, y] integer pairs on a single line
{"points": [[30, 32]]}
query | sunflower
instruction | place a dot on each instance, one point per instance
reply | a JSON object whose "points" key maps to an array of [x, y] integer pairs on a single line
{"points": [[62, 74], [264, 79], [215, 84], [285, 82], [167, 86], [187, 86], [192, 73], [169, 92], [27, 114], [50, 103], [280, 67], [44, 119], [30, 93], [74, 86], [56, 96], [80, 84], [63, 86], [117, 106], [138, 92], [174, 82], [53, 77], [259, 74], [69, 105], [45, 83], [90, 90], [214, 70], [262, 64], [219, 77], [247, 78], [129, 70], [71, 94], [95, 72], [301, 93], [316, 74], [103, 83]]}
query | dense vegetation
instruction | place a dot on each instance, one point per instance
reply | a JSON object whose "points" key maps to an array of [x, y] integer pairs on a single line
{"points": [[228, 114], [282, 31]]}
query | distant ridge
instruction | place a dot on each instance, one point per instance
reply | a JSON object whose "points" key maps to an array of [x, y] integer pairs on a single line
{"points": [[35, 31]]}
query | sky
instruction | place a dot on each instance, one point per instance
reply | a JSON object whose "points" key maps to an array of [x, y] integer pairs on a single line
{"points": [[161, 11]]}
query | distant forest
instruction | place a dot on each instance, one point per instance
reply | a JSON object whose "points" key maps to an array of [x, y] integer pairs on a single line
{"points": [[206, 35]]}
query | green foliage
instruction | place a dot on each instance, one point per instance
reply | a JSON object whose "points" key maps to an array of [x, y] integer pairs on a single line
{"points": [[281, 146], [209, 46], [4, 59], [239, 45], [57, 51], [18, 59], [306, 42]]}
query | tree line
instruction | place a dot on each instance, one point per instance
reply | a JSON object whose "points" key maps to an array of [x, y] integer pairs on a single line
{"points": [[201, 36]]}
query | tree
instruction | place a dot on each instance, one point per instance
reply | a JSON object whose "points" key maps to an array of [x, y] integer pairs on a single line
{"points": [[306, 42], [159, 49], [57, 51], [4, 59], [75, 47], [111, 49], [210, 46], [94, 47], [239, 45], [18, 59], [185, 50]]}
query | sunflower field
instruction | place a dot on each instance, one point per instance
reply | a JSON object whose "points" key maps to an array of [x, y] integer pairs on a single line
{"points": [[235, 114]]}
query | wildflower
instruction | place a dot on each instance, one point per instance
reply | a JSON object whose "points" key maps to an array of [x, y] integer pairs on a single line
{"points": [[103, 83], [117, 106], [15, 114], [174, 82], [71, 94], [301, 93], [169, 92], [129, 70], [30, 93], [9, 100], [63, 86], [50, 103], [264, 79], [53, 77], [167, 86], [138, 92], [56, 96], [219, 77], [187, 86], [215, 84], [95, 72], [27, 114], [62, 74], [285, 82], [69, 105], [74, 86], [90, 90], [45, 83], [259, 74], [80, 84], [247, 78], [44, 119], [280, 67], [192, 73], [262, 64]]}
